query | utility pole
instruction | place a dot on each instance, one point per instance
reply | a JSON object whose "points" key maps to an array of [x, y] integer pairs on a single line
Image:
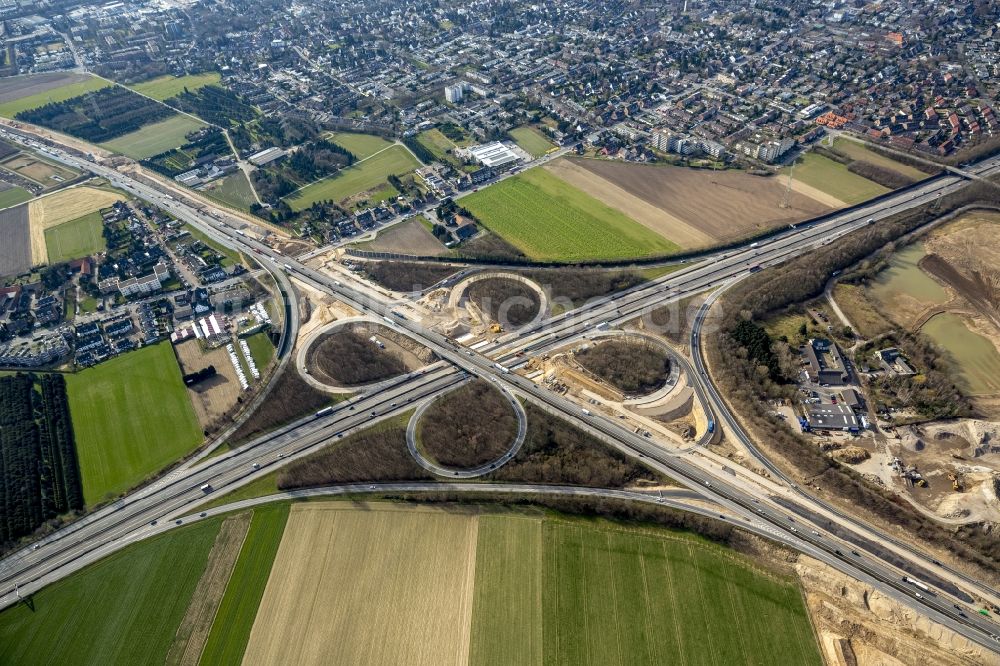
{"points": [[788, 186]]}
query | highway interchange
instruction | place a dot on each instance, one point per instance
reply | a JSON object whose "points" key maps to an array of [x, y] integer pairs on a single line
{"points": [[156, 507]]}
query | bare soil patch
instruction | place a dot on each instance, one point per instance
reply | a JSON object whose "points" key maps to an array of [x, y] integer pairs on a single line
{"points": [[857, 624], [293, 248], [197, 622], [16, 87], [408, 238], [468, 427], [723, 205], [381, 585], [216, 396], [649, 215], [15, 250]]}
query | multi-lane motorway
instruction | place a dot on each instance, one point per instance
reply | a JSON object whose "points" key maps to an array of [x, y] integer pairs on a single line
{"points": [[753, 507]]}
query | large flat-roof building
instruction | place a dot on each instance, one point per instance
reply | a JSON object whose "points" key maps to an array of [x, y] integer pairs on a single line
{"points": [[494, 155], [826, 364], [832, 417]]}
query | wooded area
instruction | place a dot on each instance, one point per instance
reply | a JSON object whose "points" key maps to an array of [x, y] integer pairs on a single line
{"points": [[98, 116], [510, 302], [39, 472], [629, 365], [555, 451], [376, 454], [579, 284], [214, 104], [350, 358], [290, 398], [404, 276], [468, 427]]}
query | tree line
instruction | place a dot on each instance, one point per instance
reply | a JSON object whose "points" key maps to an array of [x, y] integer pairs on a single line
{"points": [[310, 162], [215, 104], [419, 150], [98, 116], [39, 472]]}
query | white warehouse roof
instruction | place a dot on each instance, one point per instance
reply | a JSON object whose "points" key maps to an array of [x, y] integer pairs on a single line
{"points": [[494, 154]]}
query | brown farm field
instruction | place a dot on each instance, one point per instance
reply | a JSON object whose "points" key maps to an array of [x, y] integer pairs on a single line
{"points": [[16, 87], [41, 171], [410, 237], [63, 206], [217, 395], [368, 587], [692, 207]]}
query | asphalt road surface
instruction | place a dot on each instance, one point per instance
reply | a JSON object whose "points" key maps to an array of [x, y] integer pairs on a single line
{"points": [[108, 529]]}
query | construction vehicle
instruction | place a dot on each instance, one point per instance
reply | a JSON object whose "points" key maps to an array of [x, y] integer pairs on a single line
{"points": [[496, 328], [956, 484]]}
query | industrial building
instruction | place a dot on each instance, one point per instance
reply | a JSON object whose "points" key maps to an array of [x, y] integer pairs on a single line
{"points": [[494, 155], [266, 156], [826, 365], [828, 418]]}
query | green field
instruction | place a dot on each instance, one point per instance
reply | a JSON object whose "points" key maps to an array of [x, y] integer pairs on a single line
{"points": [[531, 140], [238, 609], [834, 179], [857, 151], [548, 590], [154, 139], [131, 416], [360, 177], [75, 239], [233, 190], [361, 145], [13, 196], [122, 610], [62, 93], [436, 142], [577, 592], [550, 220], [974, 358], [165, 87], [507, 623], [610, 594], [261, 349]]}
